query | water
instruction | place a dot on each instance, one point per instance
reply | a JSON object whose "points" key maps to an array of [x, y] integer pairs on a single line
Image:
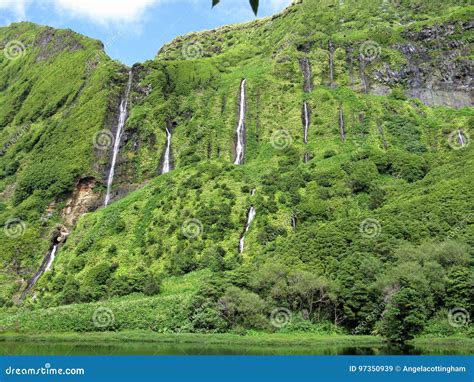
{"points": [[45, 267], [240, 147], [461, 139], [118, 136], [251, 216], [306, 122], [52, 255], [331, 61], [9, 347], [167, 161], [341, 124]]}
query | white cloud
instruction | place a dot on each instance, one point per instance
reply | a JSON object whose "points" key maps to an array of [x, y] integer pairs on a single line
{"points": [[105, 11], [278, 5], [15, 8]]}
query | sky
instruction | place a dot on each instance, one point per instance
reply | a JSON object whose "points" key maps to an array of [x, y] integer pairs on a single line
{"points": [[134, 30]]}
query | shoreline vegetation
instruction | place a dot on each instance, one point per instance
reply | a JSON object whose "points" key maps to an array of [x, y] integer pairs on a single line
{"points": [[252, 338]]}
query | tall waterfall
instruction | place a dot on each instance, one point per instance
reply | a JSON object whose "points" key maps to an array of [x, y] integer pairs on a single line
{"points": [[306, 122], [331, 62], [167, 160], [118, 136], [251, 215], [240, 146], [45, 267], [341, 124], [306, 69]]}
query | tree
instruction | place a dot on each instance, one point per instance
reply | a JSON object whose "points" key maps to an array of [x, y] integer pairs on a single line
{"points": [[404, 316], [253, 4]]}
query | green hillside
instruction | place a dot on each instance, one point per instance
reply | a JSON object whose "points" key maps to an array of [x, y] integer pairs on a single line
{"points": [[365, 228]]}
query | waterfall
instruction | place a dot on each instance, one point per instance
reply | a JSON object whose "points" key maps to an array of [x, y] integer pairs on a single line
{"points": [[293, 222], [240, 146], [306, 157], [118, 136], [45, 267], [341, 124], [253, 191], [306, 122], [461, 139], [167, 160], [331, 62], [52, 255], [251, 215], [306, 69]]}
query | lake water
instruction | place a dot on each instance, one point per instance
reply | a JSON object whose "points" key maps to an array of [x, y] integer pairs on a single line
{"points": [[138, 348]]}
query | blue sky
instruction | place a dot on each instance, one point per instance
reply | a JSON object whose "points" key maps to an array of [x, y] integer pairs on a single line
{"points": [[133, 30]]}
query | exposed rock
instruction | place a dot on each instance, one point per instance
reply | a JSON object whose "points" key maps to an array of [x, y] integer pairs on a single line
{"points": [[83, 199]]}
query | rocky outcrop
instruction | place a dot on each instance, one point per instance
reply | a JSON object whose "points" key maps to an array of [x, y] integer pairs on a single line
{"points": [[83, 200]]}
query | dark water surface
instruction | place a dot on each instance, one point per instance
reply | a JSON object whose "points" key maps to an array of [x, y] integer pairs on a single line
{"points": [[11, 347]]}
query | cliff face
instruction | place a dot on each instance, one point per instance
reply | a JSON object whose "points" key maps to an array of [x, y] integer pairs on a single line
{"points": [[368, 148]]}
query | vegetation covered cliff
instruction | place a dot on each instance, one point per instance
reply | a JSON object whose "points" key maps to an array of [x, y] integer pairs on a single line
{"points": [[357, 117]]}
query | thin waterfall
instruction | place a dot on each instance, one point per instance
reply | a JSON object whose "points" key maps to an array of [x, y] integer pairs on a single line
{"points": [[167, 160], [118, 136], [341, 124], [293, 222], [52, 255], [251, 215], [240, 146], [306, 122], [307, 157], [45, 267], [331, 62], [461, 139], [305, 66]]}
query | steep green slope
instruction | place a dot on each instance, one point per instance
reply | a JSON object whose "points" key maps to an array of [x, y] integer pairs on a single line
{"points": [[381, 213]]}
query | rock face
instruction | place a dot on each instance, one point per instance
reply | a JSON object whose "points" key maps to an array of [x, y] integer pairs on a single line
{"points": [[438, 69], [83, 199]]}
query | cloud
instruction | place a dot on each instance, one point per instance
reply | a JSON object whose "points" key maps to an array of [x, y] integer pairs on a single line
{"points": [[105, 11], [15, 8]]}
